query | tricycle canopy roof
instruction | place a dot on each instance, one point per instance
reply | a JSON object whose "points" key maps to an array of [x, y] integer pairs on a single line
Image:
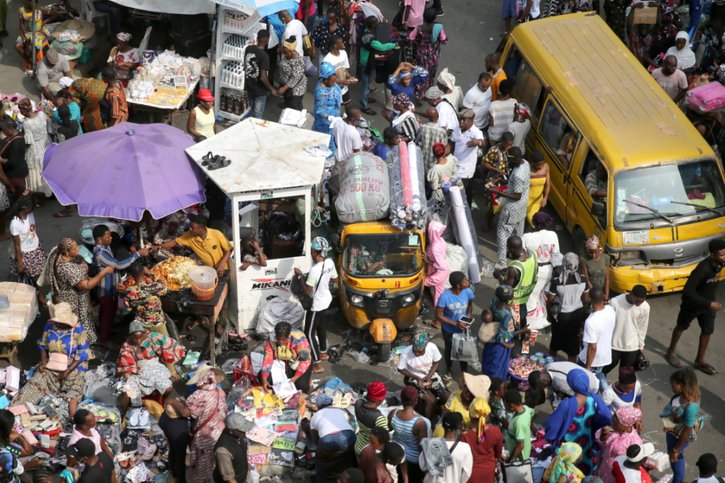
{"points": [[265, 156]]}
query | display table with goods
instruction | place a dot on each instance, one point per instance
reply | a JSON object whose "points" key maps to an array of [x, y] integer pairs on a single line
{"points": [[521, 367], [164, 83], [190, 295], [18, 310]]}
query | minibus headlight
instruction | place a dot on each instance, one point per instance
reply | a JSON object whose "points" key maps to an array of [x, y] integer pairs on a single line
{"points": [[630, 257]]}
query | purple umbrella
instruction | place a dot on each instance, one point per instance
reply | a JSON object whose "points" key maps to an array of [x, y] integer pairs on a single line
{"points": [[124, 170]]}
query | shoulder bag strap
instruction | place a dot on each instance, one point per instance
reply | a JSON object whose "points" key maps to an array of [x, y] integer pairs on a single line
{"points": [[207, 420], [458, 440], [322, 272]]}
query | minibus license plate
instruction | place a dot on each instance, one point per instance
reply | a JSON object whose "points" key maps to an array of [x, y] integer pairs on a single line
{"points": [[636, 237]]}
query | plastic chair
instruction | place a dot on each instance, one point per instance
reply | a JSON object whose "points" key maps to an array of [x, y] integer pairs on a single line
{"points": [[90, 14]]}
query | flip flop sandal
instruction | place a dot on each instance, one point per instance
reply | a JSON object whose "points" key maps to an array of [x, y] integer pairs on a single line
{"points": [[706, 368], [673, 361], [206, 158]]}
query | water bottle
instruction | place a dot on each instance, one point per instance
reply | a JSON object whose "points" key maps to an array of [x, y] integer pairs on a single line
{"points": [[253, 475]]}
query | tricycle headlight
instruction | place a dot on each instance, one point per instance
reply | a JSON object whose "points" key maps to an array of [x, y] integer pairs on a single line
{"points": [[356, 300], [408, 299]]}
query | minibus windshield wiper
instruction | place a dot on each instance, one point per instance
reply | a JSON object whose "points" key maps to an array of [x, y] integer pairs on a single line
{"points": [[696, 206], [649, 208]]}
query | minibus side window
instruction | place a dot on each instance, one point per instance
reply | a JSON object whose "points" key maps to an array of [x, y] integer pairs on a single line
{"points": [[528, 89], [595, 178], [558, 134]]}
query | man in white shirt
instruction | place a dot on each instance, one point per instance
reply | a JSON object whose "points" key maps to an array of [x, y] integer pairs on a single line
{"points": [[461, 468], [337, 57], [347, 137], [707, 464], [672, 80], [447, 117], [296, 28], [317, 286], [597, 339], [464, 144], [630, 327], [478, 98]]}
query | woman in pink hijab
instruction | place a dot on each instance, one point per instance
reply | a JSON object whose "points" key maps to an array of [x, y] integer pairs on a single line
{"points": [[437, 269], [616, 439]]}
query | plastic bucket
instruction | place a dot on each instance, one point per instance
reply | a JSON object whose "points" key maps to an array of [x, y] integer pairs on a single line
{"points": [[203, 282]]}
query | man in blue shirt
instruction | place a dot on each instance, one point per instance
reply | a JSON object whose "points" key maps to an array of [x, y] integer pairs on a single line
{"points": [[454, 303], [107, 291], [391, 138]]}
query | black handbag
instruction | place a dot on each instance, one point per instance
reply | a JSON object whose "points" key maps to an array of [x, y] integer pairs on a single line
{"points": [[640, 362]]}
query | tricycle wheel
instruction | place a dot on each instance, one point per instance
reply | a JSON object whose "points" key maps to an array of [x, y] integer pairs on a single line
{"points": [[384, 352]]}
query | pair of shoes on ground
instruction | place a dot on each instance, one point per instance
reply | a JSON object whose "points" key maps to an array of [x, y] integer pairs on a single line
{"points": [[214, 161]]}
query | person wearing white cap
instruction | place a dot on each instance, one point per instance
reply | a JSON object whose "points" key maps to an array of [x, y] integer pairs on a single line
{"points": [[317, 286], [447, 117], [630, 468], [466, 140], [51, 70], [230, 451]]}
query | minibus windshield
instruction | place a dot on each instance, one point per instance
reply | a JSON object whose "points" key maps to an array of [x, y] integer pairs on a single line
{"points": [[668, 192]]}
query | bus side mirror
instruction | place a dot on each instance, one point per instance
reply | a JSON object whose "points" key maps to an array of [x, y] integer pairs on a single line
{"points": [[597, 209]]}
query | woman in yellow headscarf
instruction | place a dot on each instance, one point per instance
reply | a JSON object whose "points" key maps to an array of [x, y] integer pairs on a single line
{"points": [[486, 441], [562, 469]]}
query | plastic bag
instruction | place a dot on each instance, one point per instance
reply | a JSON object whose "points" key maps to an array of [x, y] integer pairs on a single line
{"points": [[464, 347]]}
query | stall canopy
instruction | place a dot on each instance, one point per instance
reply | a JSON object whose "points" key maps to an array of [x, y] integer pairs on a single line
{"points": [[265, 156], [182, 7], [264, 7]]}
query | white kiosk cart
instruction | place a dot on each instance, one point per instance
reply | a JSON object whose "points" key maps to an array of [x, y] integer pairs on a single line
{"points": [[274, 171]]}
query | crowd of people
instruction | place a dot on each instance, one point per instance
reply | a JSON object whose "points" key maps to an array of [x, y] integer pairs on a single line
{"points": [[447, 424]]}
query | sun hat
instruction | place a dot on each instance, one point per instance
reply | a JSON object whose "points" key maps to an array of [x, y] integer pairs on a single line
{"points": [[63, 314], [51, 55], [205, 95], [326, 70], [84, 28], [477, 385], [201, 372]]}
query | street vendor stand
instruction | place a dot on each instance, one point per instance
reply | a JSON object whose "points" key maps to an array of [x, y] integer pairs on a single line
{"points": [[272, 168]]}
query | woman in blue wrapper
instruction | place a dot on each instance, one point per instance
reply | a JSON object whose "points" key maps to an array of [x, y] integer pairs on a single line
{"points": [[328, 100], [497, 348], [577, 419]]}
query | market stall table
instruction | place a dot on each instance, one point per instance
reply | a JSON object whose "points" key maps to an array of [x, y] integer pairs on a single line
{"points": [[164, 103], [209, 311]]}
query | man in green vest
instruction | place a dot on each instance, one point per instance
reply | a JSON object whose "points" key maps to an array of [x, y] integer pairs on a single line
{"points": [[521, 274]]}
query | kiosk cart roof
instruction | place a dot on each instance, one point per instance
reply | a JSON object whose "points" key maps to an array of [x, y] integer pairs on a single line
{"points": [[264, 156]]}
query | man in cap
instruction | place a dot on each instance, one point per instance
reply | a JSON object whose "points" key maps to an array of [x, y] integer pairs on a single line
{"points": [[699, 302], [98, 467], [107, 292], [50, 70], [515, 200], [317, 286], [210, 246], [465, 142], [328, 101], [230, 450], [447, 117]]}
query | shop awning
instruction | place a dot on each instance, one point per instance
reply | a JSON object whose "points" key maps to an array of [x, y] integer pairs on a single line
{"points": [[264, 156], [264, 7], [182, 7]]}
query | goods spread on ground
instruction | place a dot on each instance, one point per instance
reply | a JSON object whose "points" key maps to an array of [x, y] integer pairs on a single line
{"points": [[521, 367], [174, 272], [18, 309]]}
